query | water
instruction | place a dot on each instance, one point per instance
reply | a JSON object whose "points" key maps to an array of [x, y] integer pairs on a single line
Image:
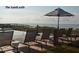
{"points": [[55, 25]]}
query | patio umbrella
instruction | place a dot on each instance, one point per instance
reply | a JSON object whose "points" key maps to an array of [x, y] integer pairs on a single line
{"points": [[59, 13]]}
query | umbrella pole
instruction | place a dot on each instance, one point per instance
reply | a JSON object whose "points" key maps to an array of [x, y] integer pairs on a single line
{"points": [[57, 31], [58, 23], [56, 34]]}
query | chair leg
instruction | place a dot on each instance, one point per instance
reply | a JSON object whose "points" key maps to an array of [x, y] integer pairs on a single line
{"points": [[68, 38], [75, 38], [46, 44], [28, 47], [41, 46], [1, 50], [62, 41], [17, 50], [71, 39]]}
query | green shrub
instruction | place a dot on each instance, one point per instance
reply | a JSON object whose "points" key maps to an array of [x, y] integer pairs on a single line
{"points": [[63, 49]]}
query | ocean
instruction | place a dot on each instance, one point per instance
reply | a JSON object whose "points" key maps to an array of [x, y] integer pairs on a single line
{"points": [[55, 25]]}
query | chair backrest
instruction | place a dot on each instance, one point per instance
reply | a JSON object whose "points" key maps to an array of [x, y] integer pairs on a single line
{"points": [[61, 32], [6, 38], [30, 35], [69, 32], [46, 34]]}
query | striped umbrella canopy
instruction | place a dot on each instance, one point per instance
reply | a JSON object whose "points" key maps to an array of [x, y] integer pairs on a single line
{"points": [[59, 13]]}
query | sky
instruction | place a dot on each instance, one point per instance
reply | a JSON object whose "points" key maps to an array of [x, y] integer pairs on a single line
{"points": [[35, 15]]}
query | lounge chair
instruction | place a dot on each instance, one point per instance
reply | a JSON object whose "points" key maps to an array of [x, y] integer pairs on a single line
{"points": [[30, 38], [69, 33], [44, 38], [68, 36], [31, 41], [5, 39]]}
